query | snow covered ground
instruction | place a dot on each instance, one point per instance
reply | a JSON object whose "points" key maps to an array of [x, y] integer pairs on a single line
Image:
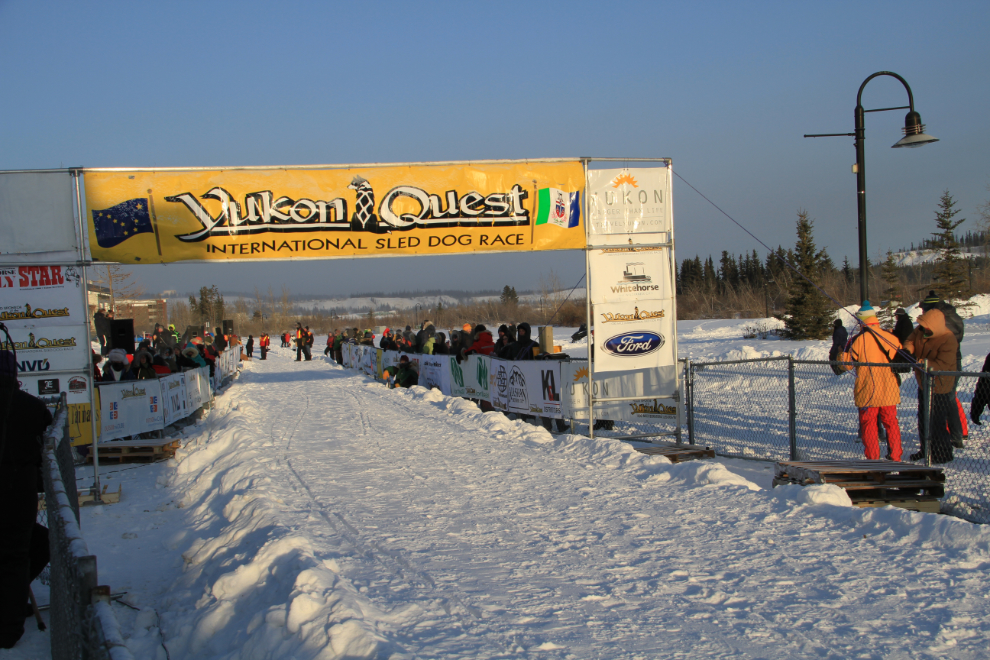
{"points": [[315, 514]]}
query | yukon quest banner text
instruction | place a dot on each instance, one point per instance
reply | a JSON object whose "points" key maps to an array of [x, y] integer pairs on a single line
{"points": [[421, 209]]}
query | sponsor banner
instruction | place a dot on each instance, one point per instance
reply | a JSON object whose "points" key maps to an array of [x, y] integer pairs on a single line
{"points": [[431, 368], [49, 348], [36, 216], [76, 388], [279, 213], [527, 387], [633, 335], [655, 386], [628, 273], [453, 377], [80, 424], [41, 296], [130, 407], [625, 202], [477, 377], [175, 401], [197, 388]]}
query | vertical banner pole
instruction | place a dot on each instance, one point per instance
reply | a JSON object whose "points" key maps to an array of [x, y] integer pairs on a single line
{"points": [[587, 300], [669, 212], [93, 397]]}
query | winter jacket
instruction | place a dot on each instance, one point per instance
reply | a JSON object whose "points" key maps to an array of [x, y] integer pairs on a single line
{"points": [[981, 398], [875, 387], [20, 471], [506, 338], [265, 341], [406, 376], [423, 336], [939, 349], [427, 347], [483, 344], [250, 344], [110, 376], [310, 338], [440, 345], [903, 328], [522, 348]]}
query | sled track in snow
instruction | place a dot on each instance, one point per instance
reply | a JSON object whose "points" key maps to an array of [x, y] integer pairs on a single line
{"points": [[371, 549]]}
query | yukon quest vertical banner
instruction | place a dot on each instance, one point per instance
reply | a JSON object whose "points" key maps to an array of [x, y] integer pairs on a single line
{"points": [[354, 211]]}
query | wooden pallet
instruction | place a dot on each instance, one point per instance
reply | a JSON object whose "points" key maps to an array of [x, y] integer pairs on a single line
{"points": [[870, 483], [86, 497], [137, 450], [678, 453]]}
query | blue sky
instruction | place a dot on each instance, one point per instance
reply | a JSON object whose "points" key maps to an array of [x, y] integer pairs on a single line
{"points": [[725, 89]]}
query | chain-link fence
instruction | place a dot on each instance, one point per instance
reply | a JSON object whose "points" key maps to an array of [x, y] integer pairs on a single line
{"points": [[82, 624], [785, 409]]}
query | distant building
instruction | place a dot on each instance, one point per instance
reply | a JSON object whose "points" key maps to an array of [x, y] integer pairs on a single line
{"points": [[144, 312]]}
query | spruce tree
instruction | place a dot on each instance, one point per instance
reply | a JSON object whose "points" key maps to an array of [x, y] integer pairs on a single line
{"points": [[808, 314], [949, 273]]}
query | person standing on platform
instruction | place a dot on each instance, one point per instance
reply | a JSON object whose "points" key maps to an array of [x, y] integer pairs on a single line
{"points": [[24, 549], [877, 392], [839, 339], [934, 342]]}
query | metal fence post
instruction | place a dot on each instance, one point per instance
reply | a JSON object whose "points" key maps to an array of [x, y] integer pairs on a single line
{"points": [[689, 398], [926, 414], [791, 409]]}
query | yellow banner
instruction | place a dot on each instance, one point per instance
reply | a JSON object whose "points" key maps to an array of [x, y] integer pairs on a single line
{"points": [[268, 214]]}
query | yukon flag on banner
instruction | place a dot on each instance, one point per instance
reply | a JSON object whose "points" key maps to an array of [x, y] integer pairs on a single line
{"points": [[560, 208]]}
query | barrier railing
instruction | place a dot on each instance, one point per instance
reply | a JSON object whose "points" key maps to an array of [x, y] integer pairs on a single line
{"points": [[785, 409], [131, 407], [82, 623], [554, 390]]}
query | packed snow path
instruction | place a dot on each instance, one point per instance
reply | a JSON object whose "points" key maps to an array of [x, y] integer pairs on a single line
{"points": [[322, 516]]}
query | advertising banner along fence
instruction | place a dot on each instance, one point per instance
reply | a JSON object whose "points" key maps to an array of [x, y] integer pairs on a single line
{"points": [[130, 407], [527, 387], [320, 213]]}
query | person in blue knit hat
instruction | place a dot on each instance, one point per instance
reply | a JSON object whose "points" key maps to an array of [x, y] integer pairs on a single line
{"points": [[877, 391]]}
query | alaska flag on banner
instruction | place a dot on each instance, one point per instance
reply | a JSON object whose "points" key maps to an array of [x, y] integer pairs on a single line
{"points": [[560, 208], [118, 223]]}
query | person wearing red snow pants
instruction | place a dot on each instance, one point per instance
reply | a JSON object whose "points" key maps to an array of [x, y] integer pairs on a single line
{"points": [[877, 392]]}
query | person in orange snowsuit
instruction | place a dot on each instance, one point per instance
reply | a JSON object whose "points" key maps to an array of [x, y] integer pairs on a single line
{"points": [[877, 392]]}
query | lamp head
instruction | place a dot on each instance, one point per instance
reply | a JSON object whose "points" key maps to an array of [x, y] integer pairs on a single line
{"points": [[914, 132]]}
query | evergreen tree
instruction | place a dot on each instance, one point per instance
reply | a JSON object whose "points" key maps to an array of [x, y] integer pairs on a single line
{"points": [[847, 271], [509, 296], [950, 270], [808, 314]]}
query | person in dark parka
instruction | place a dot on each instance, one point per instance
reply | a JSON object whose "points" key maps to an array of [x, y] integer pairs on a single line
{"points": [[902, 326], [839, 339], [981, 398], [955, 325], [522, 348], [24, 549]]}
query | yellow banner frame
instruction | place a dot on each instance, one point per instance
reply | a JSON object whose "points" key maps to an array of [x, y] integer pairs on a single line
{"points": [[331, 211]]}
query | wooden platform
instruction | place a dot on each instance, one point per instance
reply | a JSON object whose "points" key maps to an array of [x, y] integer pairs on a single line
{"points": [[870, 483], [137, 450], [678, 453], [86, 497]]}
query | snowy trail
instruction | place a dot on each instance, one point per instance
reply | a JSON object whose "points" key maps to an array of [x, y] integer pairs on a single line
{"points": [[316, 514], [454, 533]]}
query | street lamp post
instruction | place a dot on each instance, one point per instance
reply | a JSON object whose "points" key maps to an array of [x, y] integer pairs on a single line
{"points": [[914, 136]]}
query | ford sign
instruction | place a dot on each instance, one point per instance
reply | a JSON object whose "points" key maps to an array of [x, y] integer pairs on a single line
{"points": [[633, 344]]}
